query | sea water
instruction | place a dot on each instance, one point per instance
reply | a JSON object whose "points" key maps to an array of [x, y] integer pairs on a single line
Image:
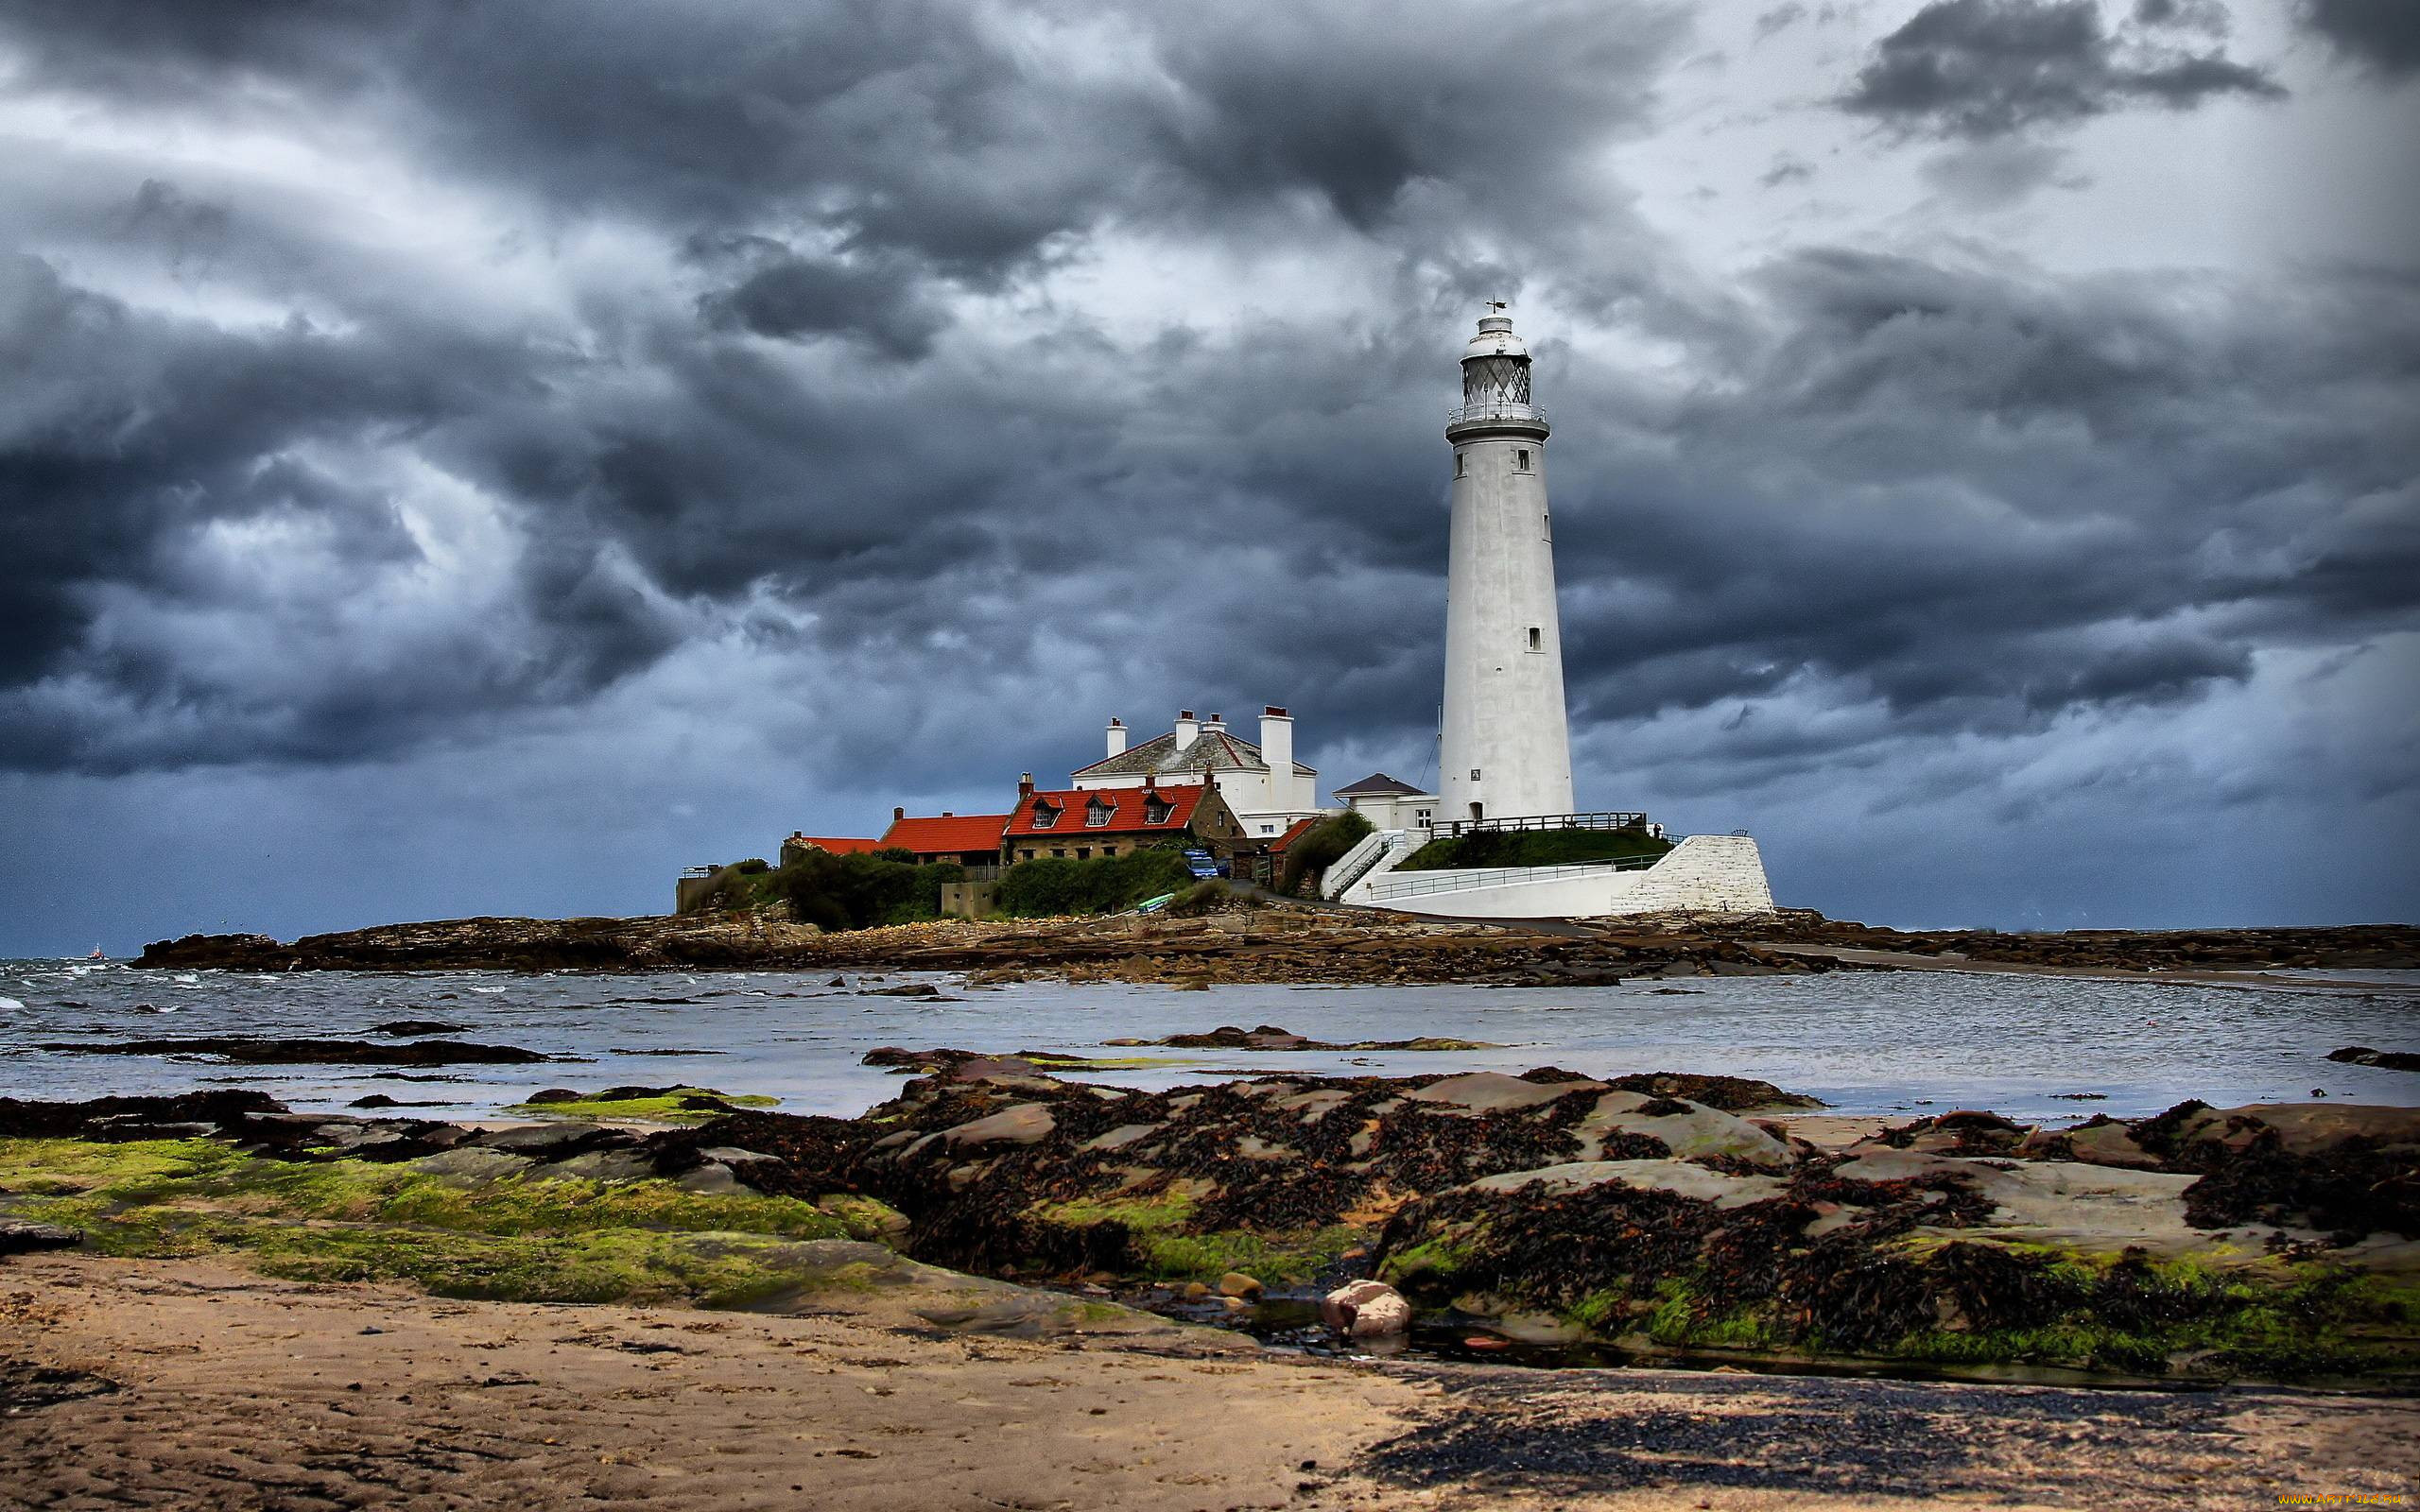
{"points": [[2037, 1048]]}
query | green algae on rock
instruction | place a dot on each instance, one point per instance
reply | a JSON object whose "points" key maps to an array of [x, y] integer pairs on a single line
{"points": [[639, 1104]]}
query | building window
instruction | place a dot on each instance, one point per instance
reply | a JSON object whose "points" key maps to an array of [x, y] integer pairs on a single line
{"points": [[1458, 464], [1097, 814], [1083, 852], [1520, 459], [1474, 774], [1027, 854], [1269, 829], [1045, 817], [1537, 639], [1156, 810], [1060, 851]]}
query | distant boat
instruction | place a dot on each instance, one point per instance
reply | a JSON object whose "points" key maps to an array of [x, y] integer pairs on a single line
{"points": [[96, 955]]}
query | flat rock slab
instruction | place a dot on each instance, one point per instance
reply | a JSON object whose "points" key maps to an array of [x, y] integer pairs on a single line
{"points": [[2070, 1204], [1019, 1123], [1492, 1091], [1697, 1182], [1691, 1131], [541, 1139], [473, 1163], [602, 1165]]}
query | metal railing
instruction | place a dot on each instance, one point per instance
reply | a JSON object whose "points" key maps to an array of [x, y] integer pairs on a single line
{"points": [[1357, 863], [1494, 409], [1415, 883], [1613, 819]]}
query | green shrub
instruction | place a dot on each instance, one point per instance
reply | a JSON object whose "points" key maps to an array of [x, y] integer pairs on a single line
{"points": [[1202, 898], [1532, 848], [860, 891], [1320, 846], [1052, 885], [753, 866]]}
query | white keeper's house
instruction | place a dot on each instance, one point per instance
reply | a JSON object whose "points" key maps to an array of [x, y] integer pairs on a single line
{"points": [[1262, 783]]}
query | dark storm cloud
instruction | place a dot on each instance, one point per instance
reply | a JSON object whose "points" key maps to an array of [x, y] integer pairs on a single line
{"points": [[2382, 35], [1986, 68], [1968, 494], [830, 418], [781, 294]]}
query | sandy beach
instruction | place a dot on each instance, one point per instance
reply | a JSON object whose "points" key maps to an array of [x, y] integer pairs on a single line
{"points": [[197, 1384]]}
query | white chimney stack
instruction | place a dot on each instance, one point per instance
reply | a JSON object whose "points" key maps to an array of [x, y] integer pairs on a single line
{"points": [[1277, 749], [1214, 725], [1116, 738], [1188, 729]]}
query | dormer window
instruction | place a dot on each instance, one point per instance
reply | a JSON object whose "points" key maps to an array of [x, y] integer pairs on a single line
{"points": [[1097, 814], [1156, 810], [1045, 815]]}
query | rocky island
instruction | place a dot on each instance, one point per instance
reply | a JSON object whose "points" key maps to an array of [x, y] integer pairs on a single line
{"points": [[1279, 942]]}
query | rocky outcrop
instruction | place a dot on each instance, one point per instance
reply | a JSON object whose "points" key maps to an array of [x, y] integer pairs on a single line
{"points": [[1268, 1038], [1271, 944], [2273, 1241], [2365, 1056], [254, 1052], [2349, 947]]}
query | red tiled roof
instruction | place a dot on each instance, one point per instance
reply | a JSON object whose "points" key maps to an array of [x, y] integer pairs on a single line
{"points": [[1125, 810], [946, 834], [1294, 833], [838, 845]]}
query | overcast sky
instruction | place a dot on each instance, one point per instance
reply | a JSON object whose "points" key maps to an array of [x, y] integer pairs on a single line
{"points": [[482, 457]]}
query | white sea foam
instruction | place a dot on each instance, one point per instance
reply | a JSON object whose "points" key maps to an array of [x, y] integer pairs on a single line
{"points": [[10, 1006]]}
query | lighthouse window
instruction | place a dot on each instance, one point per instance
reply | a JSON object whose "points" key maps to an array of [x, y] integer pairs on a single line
{"points": [[1474, 774], [1458, 464], [1520, 459], [1545, 526], [1537, 642]]}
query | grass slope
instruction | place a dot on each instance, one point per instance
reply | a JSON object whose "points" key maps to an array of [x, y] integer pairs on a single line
{"points": [[1532, 848]]}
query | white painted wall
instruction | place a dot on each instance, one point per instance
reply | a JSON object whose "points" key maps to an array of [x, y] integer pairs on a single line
{"points": [[1714, 873], [1504, 711], [1414, 813]]}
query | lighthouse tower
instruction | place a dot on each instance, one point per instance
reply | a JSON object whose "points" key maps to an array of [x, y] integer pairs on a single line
{"points": [[1504, 750]]}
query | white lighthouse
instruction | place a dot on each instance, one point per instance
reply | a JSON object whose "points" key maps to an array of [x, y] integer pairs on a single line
{"points": [[1504, 750]]}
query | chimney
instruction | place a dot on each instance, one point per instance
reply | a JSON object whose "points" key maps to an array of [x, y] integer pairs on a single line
{"points": [[949, 814], [1116, 738], [1025, 787], [898, 814], [1277, 749], [1188, 729], [1214, 725]]}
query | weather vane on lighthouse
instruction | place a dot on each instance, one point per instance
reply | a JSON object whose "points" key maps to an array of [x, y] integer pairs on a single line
{"points": [[1497, 305]]}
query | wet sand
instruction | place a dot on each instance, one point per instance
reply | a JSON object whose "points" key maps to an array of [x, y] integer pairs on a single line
{"points": [[216, 1388]]}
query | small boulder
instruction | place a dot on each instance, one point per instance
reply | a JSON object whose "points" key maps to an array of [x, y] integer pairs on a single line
{"points": [[1018, 1124], [1366, 1310], [712, 1179], [18, 1236], [1235, 1283]]}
